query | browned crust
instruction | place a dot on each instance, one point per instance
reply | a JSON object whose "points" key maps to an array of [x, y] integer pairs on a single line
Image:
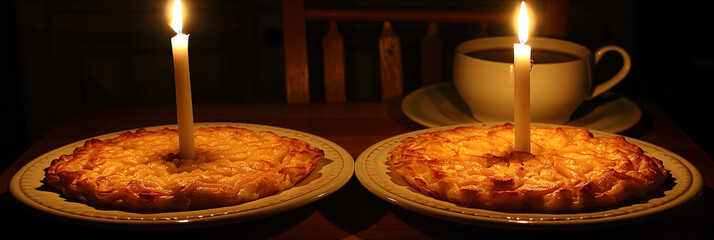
{"points": [[569, 170], [140, 172]]}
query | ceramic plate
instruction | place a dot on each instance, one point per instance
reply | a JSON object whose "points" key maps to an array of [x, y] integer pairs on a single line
{"points": [[440, 105], [329, 174], [375, 174]]}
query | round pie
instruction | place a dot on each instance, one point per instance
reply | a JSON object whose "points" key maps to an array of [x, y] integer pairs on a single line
{"points": [[140, 171], [567, 170]]}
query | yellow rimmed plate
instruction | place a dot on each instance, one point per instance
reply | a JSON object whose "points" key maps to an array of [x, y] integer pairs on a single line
{"points": [[330, 174], [374, 173]]}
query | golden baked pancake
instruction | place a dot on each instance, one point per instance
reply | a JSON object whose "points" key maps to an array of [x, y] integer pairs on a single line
{"points": [[568, 170], [141, 172]]}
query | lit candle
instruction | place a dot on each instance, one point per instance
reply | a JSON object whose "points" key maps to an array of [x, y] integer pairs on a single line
{"points": [[184, 109], [522, 82]]}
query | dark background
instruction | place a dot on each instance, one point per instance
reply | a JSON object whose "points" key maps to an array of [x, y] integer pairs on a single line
{"points": [[60, 58]]}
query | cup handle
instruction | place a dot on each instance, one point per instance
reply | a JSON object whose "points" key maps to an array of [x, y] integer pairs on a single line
{"points": [[602, 87]]}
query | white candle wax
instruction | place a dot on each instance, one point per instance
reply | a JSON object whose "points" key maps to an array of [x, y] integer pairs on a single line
{"points": [[522, 94], [522, 84], [182, 79]]}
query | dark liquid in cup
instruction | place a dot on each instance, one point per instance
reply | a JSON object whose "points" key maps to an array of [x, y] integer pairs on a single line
{"points": [[538, 56]]}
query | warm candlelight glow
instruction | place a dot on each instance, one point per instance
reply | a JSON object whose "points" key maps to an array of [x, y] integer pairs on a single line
{"points": [[177, 17], [182, 78], [522, 85], [523, 24]]}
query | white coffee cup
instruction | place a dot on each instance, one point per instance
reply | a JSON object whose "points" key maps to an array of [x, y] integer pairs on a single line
{"points": [[558, 86]]}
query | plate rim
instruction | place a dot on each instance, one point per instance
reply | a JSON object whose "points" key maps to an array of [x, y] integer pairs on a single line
{"points": [[529, 221], [194, 218]]}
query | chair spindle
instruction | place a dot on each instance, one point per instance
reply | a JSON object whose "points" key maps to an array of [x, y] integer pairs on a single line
{"points": [[334, 64], [390, 61], [432, 56]]}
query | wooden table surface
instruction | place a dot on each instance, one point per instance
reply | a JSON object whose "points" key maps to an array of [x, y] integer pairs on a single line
{"points": [[351, 212]]}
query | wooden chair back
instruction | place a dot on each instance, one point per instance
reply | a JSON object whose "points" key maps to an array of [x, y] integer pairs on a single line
{"points": [[295, 15]]}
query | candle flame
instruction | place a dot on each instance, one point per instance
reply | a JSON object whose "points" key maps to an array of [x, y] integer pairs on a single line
{"points": [[177, 17], [523, 24]]}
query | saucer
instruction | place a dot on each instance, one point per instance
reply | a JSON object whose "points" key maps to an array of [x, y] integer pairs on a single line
{"points": [[440, 105]]}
